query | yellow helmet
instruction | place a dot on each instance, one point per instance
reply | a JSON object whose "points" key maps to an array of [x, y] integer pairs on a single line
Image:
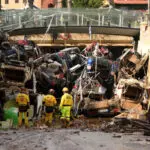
{"points": [[65, 89], [22, 89]]}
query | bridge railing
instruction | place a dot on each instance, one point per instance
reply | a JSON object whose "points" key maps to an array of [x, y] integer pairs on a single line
{"points": [[15, 19]]}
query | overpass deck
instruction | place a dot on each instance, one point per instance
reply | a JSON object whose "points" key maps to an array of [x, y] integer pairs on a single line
{"points": [[97, 21], [123, 31]]}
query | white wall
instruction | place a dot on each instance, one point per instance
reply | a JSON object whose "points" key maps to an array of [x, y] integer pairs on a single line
{"points": [[144, 42]]}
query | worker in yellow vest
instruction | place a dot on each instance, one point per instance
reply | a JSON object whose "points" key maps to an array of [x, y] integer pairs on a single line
{"points": [[23, 103], [65, 107], [49, 102]]}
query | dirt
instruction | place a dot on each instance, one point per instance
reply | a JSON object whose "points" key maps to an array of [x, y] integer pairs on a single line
{"points": [[83, 134], [71, 139]]}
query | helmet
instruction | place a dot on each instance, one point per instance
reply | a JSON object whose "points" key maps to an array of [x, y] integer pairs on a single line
{"points": [[23, 90], [52, 91], [65, 89]]}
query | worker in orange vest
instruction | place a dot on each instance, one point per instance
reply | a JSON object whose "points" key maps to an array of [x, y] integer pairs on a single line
{"points": [[49, 102]]}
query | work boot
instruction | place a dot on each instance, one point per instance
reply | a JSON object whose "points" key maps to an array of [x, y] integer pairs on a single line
{"points": [[26, 126], [67, 123], [49, 124], [63, 123], [19, 126]]}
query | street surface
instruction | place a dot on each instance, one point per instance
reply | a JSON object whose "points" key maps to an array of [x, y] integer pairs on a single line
{"points": [[71, 139]]}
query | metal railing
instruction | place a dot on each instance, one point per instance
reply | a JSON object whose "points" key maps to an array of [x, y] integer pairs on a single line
{"points": [[14, 19]]}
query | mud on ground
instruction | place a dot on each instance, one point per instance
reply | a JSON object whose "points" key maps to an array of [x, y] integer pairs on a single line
{"points": [[83, 134], [71, 139]]}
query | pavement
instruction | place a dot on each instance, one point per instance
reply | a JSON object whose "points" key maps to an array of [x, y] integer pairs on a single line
{"points": [[71, 139]]}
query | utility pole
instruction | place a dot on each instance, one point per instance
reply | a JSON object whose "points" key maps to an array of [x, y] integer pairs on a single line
{"points": [[69, 3]]}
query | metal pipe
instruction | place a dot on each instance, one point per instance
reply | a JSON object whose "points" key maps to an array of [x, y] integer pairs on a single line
{"points": [[82, 19], [34, 83], [99, 19]]}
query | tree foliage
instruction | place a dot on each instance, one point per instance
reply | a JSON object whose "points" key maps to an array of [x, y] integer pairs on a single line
{"points": [[80, 3], [95, 3], [64, 3], [87, 3]]}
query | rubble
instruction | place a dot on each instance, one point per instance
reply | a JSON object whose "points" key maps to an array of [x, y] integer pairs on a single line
{"points": [[36, 71], [101, 86], [130, 91]]}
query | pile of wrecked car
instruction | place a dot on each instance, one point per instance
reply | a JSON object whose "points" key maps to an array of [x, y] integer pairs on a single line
{"points": [[127, 87], [99, 84], [24, 65]]}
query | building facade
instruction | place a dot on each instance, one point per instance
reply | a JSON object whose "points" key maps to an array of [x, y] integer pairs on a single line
{"points": [[21, 4], [130, 4], [13, 4]]}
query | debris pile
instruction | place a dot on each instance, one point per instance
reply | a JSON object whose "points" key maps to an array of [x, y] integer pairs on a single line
{"points": [[34, 68], [23, 64], [101, 86], [132, 88], [103, 90], [59, 69]]}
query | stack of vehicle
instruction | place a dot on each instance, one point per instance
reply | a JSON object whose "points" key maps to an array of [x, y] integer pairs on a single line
{"points": [[99, 84], [103, 90], [23, 64]]}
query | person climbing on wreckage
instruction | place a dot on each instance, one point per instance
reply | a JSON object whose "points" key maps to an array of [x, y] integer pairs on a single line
{"points": [[102, 68]]}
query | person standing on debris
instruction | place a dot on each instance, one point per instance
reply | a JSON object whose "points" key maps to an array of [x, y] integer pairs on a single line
{"points": [[24, 103], [49, 102], [65, 107]]}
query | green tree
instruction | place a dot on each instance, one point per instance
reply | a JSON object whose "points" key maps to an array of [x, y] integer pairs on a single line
{"points": [[87, 3], [64, 3], [95, 3], [80, 3]]}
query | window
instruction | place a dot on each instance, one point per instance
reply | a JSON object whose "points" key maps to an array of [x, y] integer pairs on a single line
{"points": [[25, 1], [6, 1], [16, 1]]}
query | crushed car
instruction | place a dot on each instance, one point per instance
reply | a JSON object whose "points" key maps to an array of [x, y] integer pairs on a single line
{"points": [[23, 64], [93, 90]]}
